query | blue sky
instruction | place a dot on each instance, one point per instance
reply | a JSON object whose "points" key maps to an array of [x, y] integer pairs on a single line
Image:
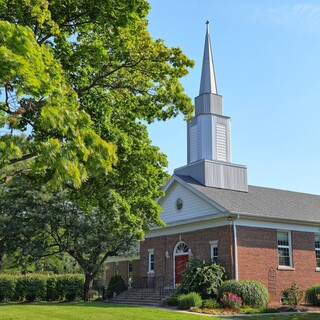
{"points": [[267, 63]]}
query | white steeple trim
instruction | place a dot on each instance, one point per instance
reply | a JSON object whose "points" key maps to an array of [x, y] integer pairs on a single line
{"points": [[208, 79], [208, 134]]}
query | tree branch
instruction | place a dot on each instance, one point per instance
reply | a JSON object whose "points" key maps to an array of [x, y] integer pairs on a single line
{"points": [[99, 77], [23, 158]]}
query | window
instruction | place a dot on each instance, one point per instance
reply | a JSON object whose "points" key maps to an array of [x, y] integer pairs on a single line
{"points": [[179, 204], [115, 268], [181, 249], [214, 250], [317, 248], [151, 260], [284, 248], [130, 269]]}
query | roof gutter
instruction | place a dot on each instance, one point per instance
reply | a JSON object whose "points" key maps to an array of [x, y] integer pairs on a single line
{"points": [[235, 246]]}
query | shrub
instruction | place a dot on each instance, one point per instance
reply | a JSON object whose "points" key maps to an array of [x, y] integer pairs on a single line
{"points": [[70, 286], [52, 292], [172, 300], [202, 277], [231, 300], [7, 286], [252, 293], [312, 295], [31, 287], [211, 303], [292, 296], [116, 285], [189, 300], [249, 310]]}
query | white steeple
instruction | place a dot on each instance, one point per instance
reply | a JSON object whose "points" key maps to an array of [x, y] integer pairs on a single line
{"points": [[208, 134], [208, 80], [209, 127]]}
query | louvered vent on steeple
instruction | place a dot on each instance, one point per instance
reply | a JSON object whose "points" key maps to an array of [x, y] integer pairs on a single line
{"points": [[209, 142]]}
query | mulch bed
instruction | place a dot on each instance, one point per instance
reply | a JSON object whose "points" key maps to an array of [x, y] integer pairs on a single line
{"points": [[229, 311]]}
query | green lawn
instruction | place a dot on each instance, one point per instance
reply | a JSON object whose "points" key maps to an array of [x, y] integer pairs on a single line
{"points": [[102, 311], [277, 316], [87, 311]]}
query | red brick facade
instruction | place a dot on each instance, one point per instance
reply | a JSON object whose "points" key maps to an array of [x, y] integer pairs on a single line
{"points": [[122, 268], [257, 256], [197, 241], [258, 260]]}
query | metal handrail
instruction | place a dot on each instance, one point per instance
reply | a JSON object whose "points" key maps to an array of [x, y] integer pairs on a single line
{"points": [[169, 285], [146, 285]]}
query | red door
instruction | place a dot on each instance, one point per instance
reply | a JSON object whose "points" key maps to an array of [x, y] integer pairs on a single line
{"points": [[180, 265]]}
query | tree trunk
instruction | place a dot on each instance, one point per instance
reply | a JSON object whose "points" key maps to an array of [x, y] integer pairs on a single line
{"points": [[88, 285]]}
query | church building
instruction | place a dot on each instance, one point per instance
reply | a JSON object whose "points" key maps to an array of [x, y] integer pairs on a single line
{"points": [[210, 211]]}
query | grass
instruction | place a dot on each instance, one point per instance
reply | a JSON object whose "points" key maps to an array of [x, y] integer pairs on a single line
{"points": [[306, 316], [102, 311], [87, 311]]}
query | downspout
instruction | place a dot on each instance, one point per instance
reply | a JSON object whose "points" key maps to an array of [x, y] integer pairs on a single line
{"points": [[235, 248]]}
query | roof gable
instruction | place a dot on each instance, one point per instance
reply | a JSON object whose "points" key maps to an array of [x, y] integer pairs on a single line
{"points": [[194, 206]]}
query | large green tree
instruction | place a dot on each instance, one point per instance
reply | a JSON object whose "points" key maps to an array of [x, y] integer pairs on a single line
{"points": [[107, 78], [64, 61], [37, 222], [41, 122]]}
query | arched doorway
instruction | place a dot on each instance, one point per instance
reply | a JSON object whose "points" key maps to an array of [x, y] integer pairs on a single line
{"points": [[181, 256]]}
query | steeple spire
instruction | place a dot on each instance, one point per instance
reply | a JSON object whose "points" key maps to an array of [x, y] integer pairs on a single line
{"points": [[208, 134], [208, 79]]}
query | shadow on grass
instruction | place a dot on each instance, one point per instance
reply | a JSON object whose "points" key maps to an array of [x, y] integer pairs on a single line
{"points": [[95, 304]]}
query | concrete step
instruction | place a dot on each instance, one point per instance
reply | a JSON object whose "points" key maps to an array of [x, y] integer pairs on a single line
{"points": [[149, 297]]}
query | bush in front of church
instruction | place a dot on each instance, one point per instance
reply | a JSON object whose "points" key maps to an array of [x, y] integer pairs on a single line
{"points": [[116, 286], [253, 293], [313, 295], [189, 300], [202, 277]]}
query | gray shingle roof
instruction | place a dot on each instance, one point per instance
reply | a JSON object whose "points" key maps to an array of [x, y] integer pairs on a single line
{"points": [[263, 202]]}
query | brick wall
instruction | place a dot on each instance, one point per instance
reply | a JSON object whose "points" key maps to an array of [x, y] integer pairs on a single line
{"points": [[197, 241], [257, 256], [123, 270], [108, 272], [258, 260]]}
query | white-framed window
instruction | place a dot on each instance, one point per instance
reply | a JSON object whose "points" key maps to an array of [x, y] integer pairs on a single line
{"points": [[130, 269], [214, 250], [115, 268], [284, 248], [317, 248], [151, 260]]}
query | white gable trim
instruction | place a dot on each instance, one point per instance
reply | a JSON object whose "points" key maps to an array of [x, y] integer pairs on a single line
{"points": [[175, 178], [123, 258], [275, 222], [221, 219], [278, 224], [188, 226]]}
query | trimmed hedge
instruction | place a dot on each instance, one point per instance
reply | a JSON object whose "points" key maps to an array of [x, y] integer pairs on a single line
{"points": [[31, 288], [7, 286], [253, 293], [70, 287], [189, 300], [52, 293], [312, 295], [36, 287]]}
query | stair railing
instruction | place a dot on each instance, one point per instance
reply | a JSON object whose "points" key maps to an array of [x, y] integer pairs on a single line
{"points": [[166, 287]]}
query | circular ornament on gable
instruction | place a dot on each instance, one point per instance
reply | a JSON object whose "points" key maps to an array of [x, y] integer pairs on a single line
{"points": [[179, 204]]}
